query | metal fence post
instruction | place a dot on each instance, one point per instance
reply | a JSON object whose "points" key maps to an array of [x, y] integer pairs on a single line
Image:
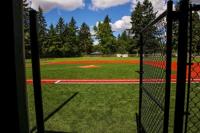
{"points": [[141, 79], [13, 87], [189, 69], [36, 71], [168, 66], [181, 68]]}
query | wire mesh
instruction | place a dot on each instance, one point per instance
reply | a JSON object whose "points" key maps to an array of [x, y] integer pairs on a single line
{"points": [[193, 120], [154, 68], [193, 124]]}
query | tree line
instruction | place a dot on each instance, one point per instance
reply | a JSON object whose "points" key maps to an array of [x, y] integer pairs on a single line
{"points": [[68, 40], [61, 40]]}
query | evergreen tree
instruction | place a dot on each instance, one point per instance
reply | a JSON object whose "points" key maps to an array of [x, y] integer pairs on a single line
{"points": [[60, 27], [42, 32], [52, 31], [121, 45], [150, 36], [141, 17], [61, 37], [53, 43], [57, 38], [105, 36], [137, 26], [196, 32], [125, 43], [137, 20], [85, 40], [72, 39], [148, 12]]}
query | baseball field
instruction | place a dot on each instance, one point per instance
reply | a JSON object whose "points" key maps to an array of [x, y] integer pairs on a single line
{"points": [[89, 94]]}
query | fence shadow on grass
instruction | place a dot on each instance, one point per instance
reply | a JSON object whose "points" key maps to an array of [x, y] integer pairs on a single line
{"points": [[54, 112]]}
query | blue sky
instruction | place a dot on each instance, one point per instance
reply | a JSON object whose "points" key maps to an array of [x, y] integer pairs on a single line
{"points": [[91, 17], [87, 15], [92, 11]]}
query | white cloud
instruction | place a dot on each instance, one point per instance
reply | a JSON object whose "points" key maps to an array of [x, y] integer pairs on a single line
{"points": [[119, 25], [103, 4], [159, 5], [122, 24], [47, 5]]}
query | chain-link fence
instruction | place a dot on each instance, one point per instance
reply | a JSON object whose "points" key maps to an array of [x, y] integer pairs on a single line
{"points": [[156, 77], [153, 97], [192, 120]]}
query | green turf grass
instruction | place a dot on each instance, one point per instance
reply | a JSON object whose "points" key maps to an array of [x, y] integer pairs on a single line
{"points": [[105, 71], [72, 71], [84, 58], [96, 109]]}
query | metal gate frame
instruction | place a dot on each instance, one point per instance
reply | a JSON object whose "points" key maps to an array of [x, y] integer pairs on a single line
{"points": [[170, 15]]}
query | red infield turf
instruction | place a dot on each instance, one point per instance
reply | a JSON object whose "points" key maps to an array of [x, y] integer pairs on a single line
{"points": [[195, 68]]}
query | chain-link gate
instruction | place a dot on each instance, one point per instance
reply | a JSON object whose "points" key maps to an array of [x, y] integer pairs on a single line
{"points": [[155, 74]]}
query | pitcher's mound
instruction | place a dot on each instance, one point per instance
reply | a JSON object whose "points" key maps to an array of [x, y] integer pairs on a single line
{"points": [[89, 66]]}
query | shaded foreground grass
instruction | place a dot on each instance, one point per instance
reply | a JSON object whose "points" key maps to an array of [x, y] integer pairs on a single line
{"points": [[96, 109]]}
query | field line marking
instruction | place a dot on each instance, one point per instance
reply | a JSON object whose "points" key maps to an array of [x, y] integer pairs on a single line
{"points": [[58, 81]]}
